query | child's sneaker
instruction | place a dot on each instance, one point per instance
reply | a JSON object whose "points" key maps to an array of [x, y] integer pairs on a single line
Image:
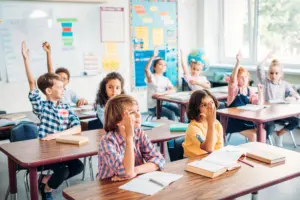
{"points": [[278, 140]]}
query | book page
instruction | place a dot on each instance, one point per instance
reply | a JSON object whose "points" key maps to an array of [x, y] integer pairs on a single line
{"points": [[162, 177], [252, 107], [206, 165]]}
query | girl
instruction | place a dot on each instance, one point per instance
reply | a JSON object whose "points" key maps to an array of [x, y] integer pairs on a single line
{"points": [[277, 89], [193, 78], [125, 151], [112, 85], [69, 95], [204, 133], [240, 94], [159, 85]]}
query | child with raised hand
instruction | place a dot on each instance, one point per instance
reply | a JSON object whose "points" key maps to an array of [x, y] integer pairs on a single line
{"points": [[112, 85], [204, 133], [125, 151], [194, 78], [159, 85], [277, 89], [240, 94], [56, 119], [69, 95]]}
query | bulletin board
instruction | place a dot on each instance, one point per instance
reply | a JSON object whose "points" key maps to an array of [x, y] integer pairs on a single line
{"points": [[153, 23]]}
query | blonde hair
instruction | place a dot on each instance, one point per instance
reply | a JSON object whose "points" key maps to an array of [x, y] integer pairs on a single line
{"points": [[114, 110], [275, 63]]}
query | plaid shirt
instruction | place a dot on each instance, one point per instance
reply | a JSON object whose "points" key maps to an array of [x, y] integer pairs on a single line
{"points": [[53, 118], [112, 150]]}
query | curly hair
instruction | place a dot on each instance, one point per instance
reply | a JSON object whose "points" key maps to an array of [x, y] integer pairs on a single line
{"points": [[102, 97]]}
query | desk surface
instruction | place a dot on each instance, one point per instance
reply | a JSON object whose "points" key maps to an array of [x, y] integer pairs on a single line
{"points": [[191, 186], [274, 112], [46, 152]]}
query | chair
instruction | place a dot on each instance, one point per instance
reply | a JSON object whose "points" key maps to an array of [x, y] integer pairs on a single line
{"points": [[175, 148], [185, 85], [282, 122], [23, 131], [92, 125]]}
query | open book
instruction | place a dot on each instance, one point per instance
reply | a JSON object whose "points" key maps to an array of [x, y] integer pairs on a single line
{"points": [[218, 162], [73, 139], [13, 117], [150, 183], [181, 96], [253, 107]]}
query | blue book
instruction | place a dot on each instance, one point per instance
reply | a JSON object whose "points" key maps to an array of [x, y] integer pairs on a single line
{"points": [[152, 124], [178, 127]]}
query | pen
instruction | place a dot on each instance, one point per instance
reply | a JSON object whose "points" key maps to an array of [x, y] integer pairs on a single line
{"points": [[156, 182], [246, 163]]}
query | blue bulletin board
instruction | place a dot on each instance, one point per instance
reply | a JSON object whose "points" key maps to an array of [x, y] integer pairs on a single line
{"points": [[153, 23]]}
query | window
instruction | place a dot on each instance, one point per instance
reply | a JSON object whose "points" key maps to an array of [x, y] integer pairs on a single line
{"points": [[256, 27]]}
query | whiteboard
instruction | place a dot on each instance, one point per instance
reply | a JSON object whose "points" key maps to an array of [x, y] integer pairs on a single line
{"points": [[36, 22]]}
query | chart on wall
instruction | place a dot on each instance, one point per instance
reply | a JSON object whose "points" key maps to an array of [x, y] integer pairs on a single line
{"points": [[153, 24]]}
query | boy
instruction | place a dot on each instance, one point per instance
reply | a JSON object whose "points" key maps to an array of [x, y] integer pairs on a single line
{"points": [[56, 119], [69, 95]]}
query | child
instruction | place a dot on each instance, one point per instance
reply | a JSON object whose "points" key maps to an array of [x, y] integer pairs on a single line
{"points": [[112, 85], [69, 95], [125, 151], [277, 89], [204, 133], [159, 85], [240, 94], [56, 119], [194, 79]]}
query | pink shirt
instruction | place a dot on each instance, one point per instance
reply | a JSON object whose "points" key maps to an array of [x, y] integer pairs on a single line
{"points": [[112, 149], [233, 90]]}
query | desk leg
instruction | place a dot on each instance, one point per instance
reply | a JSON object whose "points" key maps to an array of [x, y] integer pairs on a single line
{"points": [[254, 196], [158, 109], [162, 149], [261, 134], [12, 179], [224, 121], [182, 113], [33, 183]]}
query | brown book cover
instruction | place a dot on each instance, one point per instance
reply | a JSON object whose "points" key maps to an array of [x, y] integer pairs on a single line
{"points": [[73, 139]]}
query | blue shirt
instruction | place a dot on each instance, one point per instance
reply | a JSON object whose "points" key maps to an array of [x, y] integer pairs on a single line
{"points": [[53, 118]]}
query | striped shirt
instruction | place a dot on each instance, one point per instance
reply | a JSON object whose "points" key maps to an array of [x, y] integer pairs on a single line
{"points": [[53, 118], [112, 150]]}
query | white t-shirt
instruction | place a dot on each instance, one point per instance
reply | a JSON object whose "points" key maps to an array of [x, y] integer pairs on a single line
{"points": [[159, 84], [201, 79], [70, 97]]}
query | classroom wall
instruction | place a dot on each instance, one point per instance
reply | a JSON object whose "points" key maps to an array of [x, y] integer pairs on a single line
{"points": [[14, 96]]}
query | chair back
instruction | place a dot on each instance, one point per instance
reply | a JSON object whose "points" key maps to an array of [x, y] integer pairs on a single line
{"points": [[24, 131]]}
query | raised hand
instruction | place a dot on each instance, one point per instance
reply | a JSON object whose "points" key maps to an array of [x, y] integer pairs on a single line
{"points": [[47, 47], [25, 51], [155, 52], [238, 56]]}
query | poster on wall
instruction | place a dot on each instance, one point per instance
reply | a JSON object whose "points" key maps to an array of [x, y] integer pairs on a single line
{"points": [[153, 24]]}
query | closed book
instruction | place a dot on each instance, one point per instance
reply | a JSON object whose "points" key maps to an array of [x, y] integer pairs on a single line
{"points": [[264, 153], [73, 139], [178, 127], [13, 117]]}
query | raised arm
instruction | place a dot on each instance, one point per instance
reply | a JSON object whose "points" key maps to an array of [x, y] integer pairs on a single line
{"points": [[261, 75], [184, 68], [47, 48], [233, 77], [25, 54], [147, 68]]}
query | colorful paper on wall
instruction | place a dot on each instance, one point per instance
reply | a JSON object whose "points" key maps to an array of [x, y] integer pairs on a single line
{"points": [[142, 32], [67, 32], [110, 63], [90, 61], [110, 49], [158, 36]]}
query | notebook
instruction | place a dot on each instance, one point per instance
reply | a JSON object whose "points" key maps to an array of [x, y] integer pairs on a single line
{"points": [[5, 122], [12, 117], [181, 96], [278, 101], [217, 163], [152, 124], [252, 107], [73, 139], [264, 153], [150, 183], [178, 127]]}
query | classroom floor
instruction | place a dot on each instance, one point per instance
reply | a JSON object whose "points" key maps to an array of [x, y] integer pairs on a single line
{"points": [[289, 190]]}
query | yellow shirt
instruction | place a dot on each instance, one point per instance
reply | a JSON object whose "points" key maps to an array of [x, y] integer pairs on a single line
{"points": [[191, 143]]}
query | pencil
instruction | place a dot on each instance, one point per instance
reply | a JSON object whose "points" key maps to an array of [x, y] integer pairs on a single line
{"points": [[246, 163]]}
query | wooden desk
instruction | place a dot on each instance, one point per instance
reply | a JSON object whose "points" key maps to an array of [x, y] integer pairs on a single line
{"points": [[32, 117], [192, 186], [47, 152], [274, 112], [219, 95]]}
